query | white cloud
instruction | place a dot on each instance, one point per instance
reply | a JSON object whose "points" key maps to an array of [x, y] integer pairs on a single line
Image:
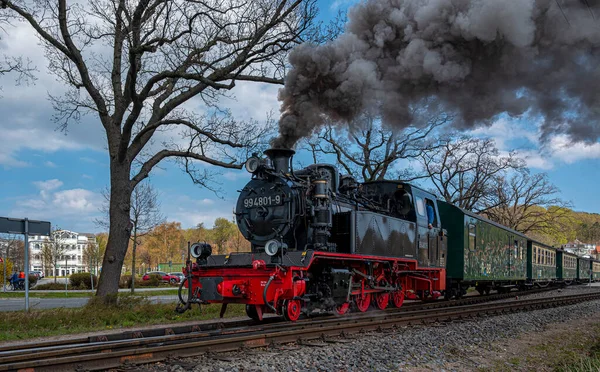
{"points": [[73, 208], [525, 139], [234, 176], [48, 185], [503, 131], [76, 200], [340, 3], [49, 164], [190, 212]]}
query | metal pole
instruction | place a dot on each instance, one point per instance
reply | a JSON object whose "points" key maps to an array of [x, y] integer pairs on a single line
{"points": [[4, 265], [66, 279], [26, 265]]}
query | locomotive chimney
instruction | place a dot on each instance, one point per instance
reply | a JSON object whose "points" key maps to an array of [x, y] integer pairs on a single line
{"points": [[281, 159]]}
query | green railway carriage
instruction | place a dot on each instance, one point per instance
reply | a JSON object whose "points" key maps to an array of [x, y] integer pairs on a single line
{"points": [[596, 270], [481, 253], [541, 263], [566, 266], [584, 269]]}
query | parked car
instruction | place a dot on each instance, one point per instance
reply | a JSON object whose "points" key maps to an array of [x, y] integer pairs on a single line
{"points": [[178, 275], [167, 278], [37, 273]]}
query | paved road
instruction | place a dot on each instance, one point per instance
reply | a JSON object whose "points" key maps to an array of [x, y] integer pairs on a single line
{"points": [[16, 304]]}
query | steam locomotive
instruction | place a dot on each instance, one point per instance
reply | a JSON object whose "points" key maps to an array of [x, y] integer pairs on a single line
{"points": [[322, 241]]}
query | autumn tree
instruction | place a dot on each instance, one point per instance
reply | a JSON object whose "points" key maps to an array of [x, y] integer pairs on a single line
{"points": [[368, 150], [197, 234], [165, 242], [223, 230], [138, 65]]}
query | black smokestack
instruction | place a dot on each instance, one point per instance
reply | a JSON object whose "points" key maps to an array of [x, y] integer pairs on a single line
{"points": [[281, 159], [474, 58]]}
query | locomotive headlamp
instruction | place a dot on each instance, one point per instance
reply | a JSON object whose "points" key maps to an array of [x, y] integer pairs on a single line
{"points": [[273, 246], [252, 164], [201, 250]]}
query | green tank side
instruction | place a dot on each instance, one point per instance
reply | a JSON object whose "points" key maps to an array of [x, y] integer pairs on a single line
{"points": [[452, 221]]}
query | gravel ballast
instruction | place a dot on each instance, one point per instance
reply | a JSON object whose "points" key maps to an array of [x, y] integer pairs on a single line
{"points": [[430, 347]]}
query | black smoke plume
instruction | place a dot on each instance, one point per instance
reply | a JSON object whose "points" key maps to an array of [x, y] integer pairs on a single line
{"points": [[476, 58]]}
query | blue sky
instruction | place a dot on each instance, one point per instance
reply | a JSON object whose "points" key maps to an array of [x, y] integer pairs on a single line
{"points": [[55, 176]]}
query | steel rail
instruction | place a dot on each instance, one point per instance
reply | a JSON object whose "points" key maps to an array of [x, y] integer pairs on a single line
{"points": [[111, 356], [222, 325]]}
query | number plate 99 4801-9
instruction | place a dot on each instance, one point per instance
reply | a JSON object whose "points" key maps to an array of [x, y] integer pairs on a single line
{"points": [[263, 201]]}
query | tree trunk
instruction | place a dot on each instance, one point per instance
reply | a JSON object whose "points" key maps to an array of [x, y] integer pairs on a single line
{"points": [[133, 259], [119, 231]]}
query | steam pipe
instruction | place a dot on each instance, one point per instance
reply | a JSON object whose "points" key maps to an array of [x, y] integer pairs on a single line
{"points": [[265, 294]]}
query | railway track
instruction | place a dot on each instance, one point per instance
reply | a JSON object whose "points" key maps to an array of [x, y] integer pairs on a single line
{"points": [[93, 354], [223, 326]]}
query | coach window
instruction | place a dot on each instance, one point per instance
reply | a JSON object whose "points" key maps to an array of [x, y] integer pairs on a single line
{"points": [[472, 236]]}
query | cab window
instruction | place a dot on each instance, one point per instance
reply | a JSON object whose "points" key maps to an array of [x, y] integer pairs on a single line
{"points": [[420, 206]]}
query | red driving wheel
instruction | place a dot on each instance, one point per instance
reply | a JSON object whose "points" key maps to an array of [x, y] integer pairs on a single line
{"points": [[342, 309], [382, 300], [363, 302], [398, 298], [292, 310]]}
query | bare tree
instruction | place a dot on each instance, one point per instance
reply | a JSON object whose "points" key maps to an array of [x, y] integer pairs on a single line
{"points": [[465, 171], [145, 216], [14, 248], [92, 256], [161, 54], [46, 255], [368, 150], [526, 202], [55, 248]]}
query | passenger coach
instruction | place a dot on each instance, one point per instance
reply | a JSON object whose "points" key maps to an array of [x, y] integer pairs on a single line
{"points": [[541, 264], [481, 253]]}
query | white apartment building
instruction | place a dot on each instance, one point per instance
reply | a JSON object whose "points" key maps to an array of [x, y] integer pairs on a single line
{"points": [[71, 261]]}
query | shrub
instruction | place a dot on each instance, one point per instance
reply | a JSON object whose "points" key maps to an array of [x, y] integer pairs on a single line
{"points": [[154, 280], [53, 287], [125, 281], [32, 280], [83, 280]]}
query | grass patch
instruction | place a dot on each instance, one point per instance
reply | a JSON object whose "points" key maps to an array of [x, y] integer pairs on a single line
{"points": [[589, 360], [21, 294], [129, 311]]}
